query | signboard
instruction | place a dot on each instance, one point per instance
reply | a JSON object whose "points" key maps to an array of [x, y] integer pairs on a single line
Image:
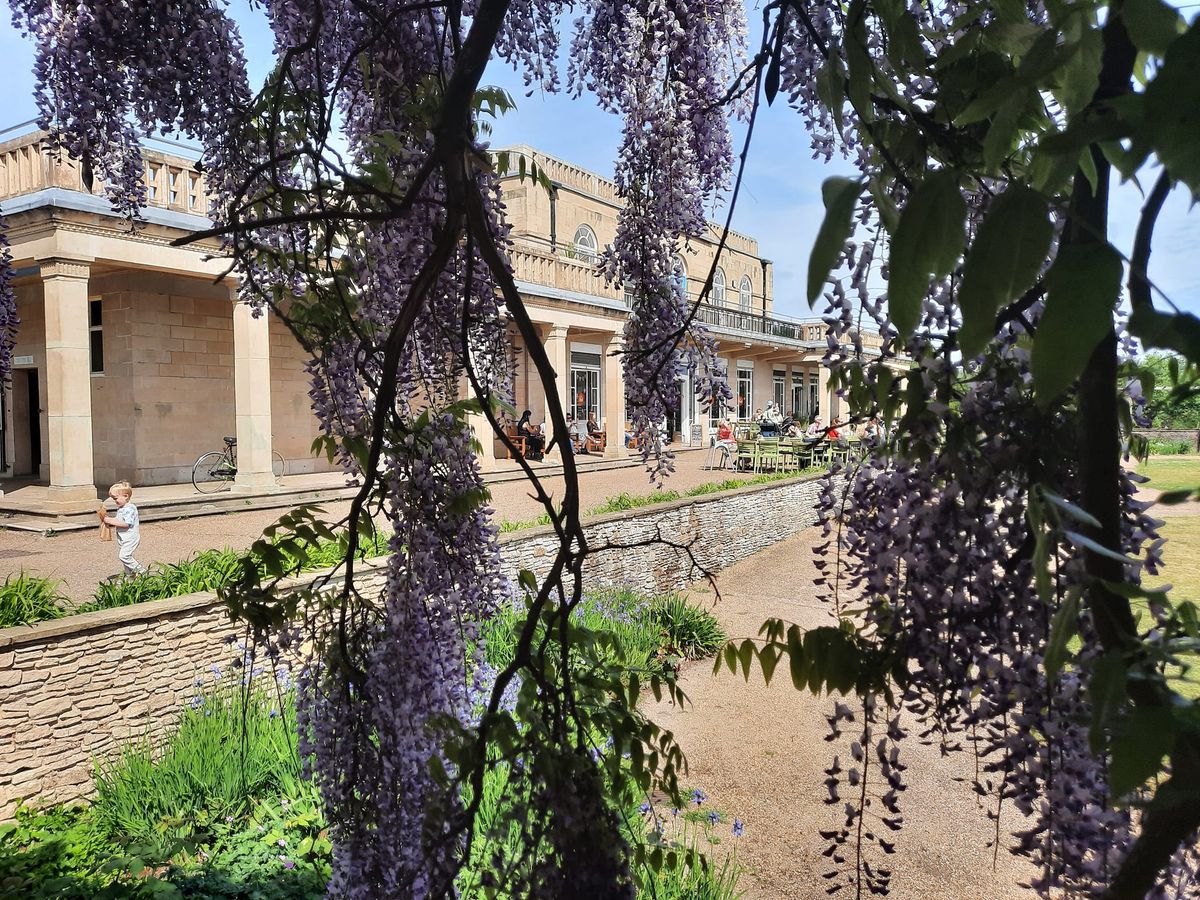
{"points": [[696, 435], [22, 360]]}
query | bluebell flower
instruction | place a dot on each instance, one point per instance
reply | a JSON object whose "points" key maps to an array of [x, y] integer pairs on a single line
{"points": [[739, 828], [674, 810], [216, 670], [714, 817], [698, 796], [644, 808]]}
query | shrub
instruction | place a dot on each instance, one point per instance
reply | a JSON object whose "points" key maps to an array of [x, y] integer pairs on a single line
{"points": [[1159, 447], [234, 743], [207, 571], [651, 633], [626, 501], [25, 599], [693, 632]]}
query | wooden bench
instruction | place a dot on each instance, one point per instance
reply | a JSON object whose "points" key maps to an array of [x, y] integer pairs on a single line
{"points": [[517, 440]]}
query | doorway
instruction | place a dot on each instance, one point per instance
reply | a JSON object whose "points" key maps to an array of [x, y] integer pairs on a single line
{"points": [[27, 422]]}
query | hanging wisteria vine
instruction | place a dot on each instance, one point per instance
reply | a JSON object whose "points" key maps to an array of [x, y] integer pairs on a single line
{"points": [[990, 542], [990, 574]]}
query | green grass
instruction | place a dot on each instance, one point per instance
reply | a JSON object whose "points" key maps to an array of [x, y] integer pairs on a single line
{"points": [[1172, 473], [1181, 555]]}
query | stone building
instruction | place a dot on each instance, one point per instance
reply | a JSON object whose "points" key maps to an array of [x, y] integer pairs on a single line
{"points": [[131, 359]]}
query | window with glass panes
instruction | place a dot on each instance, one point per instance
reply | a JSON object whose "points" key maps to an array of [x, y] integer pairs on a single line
{"points": [[799, 407], [814, 394], [96, 336], [780, 388], [585, 385], [745, 392]]}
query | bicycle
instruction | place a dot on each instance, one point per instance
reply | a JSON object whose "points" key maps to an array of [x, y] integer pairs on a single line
{"points": [[216, 469]]}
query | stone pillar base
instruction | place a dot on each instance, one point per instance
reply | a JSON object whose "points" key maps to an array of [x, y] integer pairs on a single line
{"points": [[254, 483], [72, 493], [618, 452]]}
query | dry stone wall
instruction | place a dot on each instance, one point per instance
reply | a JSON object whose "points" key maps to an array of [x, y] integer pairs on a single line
{"points": [[71, 690]]}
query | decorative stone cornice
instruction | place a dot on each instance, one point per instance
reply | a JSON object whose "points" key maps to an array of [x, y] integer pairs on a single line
{"points": [[64, 267]]}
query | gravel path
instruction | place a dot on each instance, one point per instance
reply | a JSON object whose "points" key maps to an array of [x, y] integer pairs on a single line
{"points": [[760, 753], [81, 561]]}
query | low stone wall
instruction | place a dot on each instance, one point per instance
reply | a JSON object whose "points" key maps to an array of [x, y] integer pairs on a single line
{"points": [[1167, 434], [72, 689]]}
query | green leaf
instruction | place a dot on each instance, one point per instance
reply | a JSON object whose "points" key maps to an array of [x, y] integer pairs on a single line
{"points": [[1071, 509], [1002, 133], [904, 37], [928, 241], [1152, 24], [858, 61], [1179, 331], [831, 85], [1172, 113], [1082, 540], [1003, 262], [1081, 290], [1079, 75], [1063, 627], [840, 196], [1138, 747], [1107, 693]]}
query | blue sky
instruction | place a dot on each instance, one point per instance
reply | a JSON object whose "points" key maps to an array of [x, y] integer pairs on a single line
{"points": [[780, 203]]}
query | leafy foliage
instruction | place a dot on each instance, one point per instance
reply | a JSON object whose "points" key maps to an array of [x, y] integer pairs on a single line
{"points": [[25, 599]]}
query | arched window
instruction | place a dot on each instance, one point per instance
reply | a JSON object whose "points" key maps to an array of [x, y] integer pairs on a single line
{"points": [[679, 274], [718, 289], [744, 294], [585, 243]]}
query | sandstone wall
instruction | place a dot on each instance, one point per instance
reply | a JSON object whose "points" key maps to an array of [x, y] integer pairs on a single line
{"points": [[72, 689]]}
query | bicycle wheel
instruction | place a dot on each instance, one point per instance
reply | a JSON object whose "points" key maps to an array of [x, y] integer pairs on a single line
{"points": [[212, 472], [278, 465]]}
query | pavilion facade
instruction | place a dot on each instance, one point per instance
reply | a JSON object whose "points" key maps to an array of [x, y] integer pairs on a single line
{"points": [[131, 359]]}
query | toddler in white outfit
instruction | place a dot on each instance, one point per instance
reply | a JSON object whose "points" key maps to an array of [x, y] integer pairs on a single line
{"points": [[128, 534]]}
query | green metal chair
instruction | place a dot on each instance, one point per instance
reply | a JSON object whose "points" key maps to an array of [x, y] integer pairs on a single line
{"points": [[747, 456], [768, 455]]}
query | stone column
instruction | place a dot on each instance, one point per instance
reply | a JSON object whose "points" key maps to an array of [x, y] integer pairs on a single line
{"points": [[252, 399], [68, 388], [487, 440], [614, 398], [829, 403], [556, 350]]}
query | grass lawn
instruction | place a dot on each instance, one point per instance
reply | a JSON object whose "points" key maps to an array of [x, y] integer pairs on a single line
{"points": [[1172, 473], [1182, 570]]}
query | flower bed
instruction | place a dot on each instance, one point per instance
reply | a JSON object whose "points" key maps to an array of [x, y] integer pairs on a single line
{"points": [[219, 806]]}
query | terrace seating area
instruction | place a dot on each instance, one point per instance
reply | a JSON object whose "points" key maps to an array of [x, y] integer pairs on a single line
{"points": [[755, 453]]}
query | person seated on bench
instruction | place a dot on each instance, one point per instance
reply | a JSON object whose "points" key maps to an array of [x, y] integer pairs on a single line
{"points": [[534, 442], [596, 438]]}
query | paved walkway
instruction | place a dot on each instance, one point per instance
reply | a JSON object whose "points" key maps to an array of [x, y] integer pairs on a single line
{"points": [[81, 560], [760, 753]]}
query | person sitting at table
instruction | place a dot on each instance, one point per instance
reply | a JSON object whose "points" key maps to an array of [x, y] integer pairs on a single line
{"points": [[725, 441], [770, 420], [834, 434], [534, 441], [794, 430], [594, 442], [815, 428]]}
